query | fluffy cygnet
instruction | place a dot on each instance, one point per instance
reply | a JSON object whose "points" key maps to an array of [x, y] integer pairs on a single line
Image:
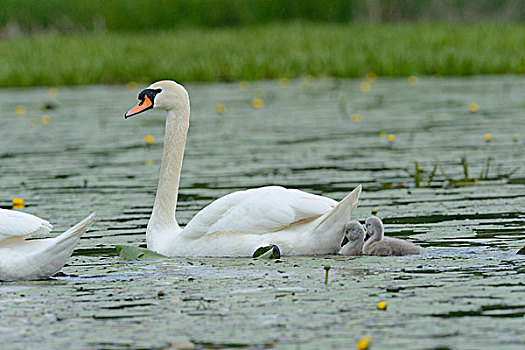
{"points": [[379, 245], [354, 239]]}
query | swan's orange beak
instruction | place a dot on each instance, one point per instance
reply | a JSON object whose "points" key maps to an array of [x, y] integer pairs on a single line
{"points": [[142, 106]]}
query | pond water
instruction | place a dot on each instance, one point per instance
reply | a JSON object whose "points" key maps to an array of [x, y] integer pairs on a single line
{"points": [[323, 136]]}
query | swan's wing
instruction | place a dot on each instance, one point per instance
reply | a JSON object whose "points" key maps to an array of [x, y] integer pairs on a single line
{"points": [[258, 211], [18, 224]]}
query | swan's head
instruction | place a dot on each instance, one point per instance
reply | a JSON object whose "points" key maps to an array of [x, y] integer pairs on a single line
{"points": [[353, 232], [164, 94], [374, 228]]}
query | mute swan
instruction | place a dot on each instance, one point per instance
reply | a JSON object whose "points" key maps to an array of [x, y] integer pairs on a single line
{"points": [[22, 259], [379, 245], [354, 239], [242, 222]]}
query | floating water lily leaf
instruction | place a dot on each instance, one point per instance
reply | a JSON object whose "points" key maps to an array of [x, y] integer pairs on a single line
{"points": [[128, 252], [267, 252], [260, 251], [521, 251]]}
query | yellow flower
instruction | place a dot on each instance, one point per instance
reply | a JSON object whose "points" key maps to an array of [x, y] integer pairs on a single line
{"points": [[371, 77], [149, 139], [365, 87], [257, 102], [383, 134], [32, 121], [515, 138], [149, 162], [18, 201], [20, 110], [413, 80], [381, 305], [363, 343], [284, 82], [244, 86], [220, 108], [473, 107], [132, 86], [488, 137], [356, 118], [391, 138], [52, 93], [45, 119]]}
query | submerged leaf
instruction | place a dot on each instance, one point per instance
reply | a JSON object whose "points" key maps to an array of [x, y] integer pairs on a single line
{"points": [[128, 252]]}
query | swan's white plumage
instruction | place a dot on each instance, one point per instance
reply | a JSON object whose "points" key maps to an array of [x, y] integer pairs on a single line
{"points": [[237, 224], [297, 234], [22, 259], [258, 211], [19, 224]]}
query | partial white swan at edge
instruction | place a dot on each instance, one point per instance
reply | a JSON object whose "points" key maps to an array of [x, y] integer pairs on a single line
{"points": [[22, 259], [298, 223]]}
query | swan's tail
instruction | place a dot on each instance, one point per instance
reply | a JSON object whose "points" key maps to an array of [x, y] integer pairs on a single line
{"points": [[71, 236], [340, 214], [57, 250]]}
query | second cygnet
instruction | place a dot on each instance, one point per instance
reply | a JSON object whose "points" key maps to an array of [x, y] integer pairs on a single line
{"points": [[354, 239], [379, 245]]}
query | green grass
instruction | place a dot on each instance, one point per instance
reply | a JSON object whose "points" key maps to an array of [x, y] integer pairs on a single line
{"points": [[263, 52]]}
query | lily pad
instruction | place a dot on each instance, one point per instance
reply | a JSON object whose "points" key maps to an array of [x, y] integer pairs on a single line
{"points": [[128, 252], [268, 252]]}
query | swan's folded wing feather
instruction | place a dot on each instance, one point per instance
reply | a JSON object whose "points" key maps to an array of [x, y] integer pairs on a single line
{"points": [[258, 211], [18, 224]]}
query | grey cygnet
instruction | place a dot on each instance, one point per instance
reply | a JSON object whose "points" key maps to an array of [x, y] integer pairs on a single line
{"points": [[354, 239], [379, 245]]}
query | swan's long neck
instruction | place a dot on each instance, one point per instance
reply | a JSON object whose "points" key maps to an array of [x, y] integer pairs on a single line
{"points": [[163, 226]]}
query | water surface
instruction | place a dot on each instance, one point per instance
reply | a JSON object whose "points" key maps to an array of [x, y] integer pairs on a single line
{"points": [[466, 290]]}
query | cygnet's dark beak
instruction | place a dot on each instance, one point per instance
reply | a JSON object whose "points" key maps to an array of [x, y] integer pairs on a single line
{"points": [[146, 98], [367, 236], [345, 240]]}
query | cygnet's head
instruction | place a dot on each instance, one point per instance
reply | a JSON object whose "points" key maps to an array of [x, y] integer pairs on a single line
{"points": [[164, 94], [353, 232], [374, 228]]}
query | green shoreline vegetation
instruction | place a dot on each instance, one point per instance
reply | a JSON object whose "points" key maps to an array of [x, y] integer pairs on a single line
{"points": [[268, 51], [33, 16]]}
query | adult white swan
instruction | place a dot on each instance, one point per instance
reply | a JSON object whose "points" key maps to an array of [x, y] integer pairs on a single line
{"points": [[22, 259], [240, 223]]}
